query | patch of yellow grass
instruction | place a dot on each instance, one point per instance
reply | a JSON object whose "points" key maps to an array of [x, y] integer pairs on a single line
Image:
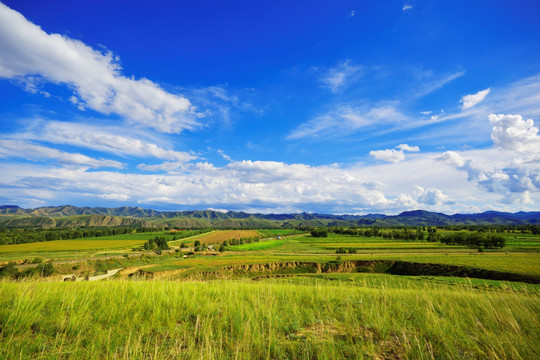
{"points": [[226, 235]]}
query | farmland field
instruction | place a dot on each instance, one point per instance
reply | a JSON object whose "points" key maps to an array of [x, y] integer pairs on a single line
{"points": [[216, 237], [257, 245], [69, 245]]}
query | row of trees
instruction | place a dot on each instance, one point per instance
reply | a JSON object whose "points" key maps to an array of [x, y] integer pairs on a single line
{"points": [[522, 229], [480, 239], [477, 240], [28, 235]]}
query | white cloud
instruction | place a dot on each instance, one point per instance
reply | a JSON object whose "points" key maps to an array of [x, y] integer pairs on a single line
{"points": [[393, 155], [430, 196], [451, 158], [341, 76], [244, 184], [406, 7], [390, 155], [351, 14], [267, 185], [101, 138], [430, 85], [345, 120], [28, 150], [468, 101], [499, 173], [521, 97], [114, 196], [225, 156], [166, 166], [512, 132], [30, 55], [406, 147]]}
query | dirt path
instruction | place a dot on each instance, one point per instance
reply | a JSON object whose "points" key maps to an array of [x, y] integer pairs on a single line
{"points": [[73, 277]]}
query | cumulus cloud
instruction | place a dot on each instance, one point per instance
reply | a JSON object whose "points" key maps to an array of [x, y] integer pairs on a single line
{"points": [[406, 7], [28, 150], [341, 76], [351, 14], [345, 120], [393, 155], [511, 180], [30, 55], [101, 138], [245, 184], [270, 185], [430, 196], [512, 132], [390, 155], [468, 101], [405, 147]]}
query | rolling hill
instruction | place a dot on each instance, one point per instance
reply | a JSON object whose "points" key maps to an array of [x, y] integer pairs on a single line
{"points": [[72, 216]]}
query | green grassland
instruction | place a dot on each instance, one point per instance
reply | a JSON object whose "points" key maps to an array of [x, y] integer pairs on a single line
{"points": [[272, 319], [259, 300]]}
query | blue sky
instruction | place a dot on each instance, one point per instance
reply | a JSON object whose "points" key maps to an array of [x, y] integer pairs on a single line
{"points": [[318, 106]]}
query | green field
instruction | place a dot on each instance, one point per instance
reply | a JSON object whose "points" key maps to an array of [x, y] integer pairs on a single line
{"points": [[264, 245], [69, 245], [270, 299], [272, 319]]}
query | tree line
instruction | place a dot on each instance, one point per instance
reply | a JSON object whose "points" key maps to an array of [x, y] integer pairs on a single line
{"points": [[27, 235], [482, 238]]}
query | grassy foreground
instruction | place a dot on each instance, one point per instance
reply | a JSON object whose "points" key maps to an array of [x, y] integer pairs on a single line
{"points": [[271, 319]]}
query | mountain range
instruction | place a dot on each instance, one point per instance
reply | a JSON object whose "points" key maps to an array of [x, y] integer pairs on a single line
{"points": [[72, 216]]}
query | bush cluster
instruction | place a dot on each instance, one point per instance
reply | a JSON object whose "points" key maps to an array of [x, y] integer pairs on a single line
{"points": [[10, 270], [319, 232], [342, 250], [158, 243]]}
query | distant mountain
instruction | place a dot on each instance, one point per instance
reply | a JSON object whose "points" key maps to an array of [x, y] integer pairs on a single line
{"points": [[67, 215]]}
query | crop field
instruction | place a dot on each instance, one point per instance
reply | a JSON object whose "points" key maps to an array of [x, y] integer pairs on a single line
{"points": [[69, 245], [217, 237], [265, 245], [279, 232]]}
